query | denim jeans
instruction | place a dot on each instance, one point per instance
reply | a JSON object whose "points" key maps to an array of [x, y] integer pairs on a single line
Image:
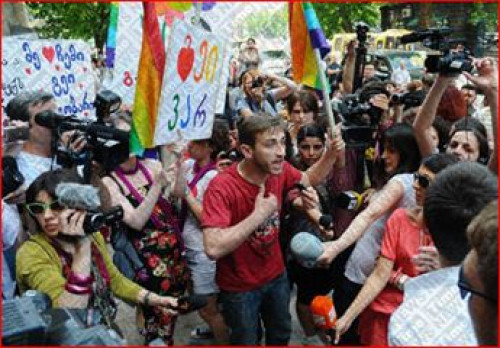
{"points": [[243, 310]]}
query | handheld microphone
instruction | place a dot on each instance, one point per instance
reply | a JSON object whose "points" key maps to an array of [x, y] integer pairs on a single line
{"points": [[349, 200], [86, 197], [306, 248], [324, 314]]}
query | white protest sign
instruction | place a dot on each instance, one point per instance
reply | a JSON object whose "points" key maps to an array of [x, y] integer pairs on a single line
{"points": [[60, 67], [129, 38], [190, 84]]}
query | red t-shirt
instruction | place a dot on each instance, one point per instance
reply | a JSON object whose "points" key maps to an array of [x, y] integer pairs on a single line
{"points": [[228, 200], [400, 243]]}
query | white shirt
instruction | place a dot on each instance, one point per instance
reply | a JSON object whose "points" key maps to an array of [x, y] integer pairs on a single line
{"points": [[32, 166], [401, 77], [432, 313], [192, 233]]}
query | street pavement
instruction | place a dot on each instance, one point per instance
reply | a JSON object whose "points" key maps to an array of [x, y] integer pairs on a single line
{"points": [[185, 324]]}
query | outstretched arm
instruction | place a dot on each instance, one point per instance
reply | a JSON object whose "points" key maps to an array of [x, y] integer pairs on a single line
{"points": [[487, 82], [427, 114]]}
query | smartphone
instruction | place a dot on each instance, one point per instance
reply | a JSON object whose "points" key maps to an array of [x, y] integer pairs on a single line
{"points": [[300, 186]]}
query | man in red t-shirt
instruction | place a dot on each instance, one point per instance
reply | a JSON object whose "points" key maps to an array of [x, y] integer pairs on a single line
{"points": [[241, 224]]}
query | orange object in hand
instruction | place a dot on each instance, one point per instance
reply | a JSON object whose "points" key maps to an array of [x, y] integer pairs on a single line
{"points": [[323, 312]]}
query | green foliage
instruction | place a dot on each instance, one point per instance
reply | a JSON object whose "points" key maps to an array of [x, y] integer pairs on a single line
{"points": [[340, 17], [269, 24], [73, 20], [487, 12]]}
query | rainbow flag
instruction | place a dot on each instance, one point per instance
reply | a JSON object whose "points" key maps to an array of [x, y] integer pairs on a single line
{"points": [[305, 35], [149, 82], [111, 40]]}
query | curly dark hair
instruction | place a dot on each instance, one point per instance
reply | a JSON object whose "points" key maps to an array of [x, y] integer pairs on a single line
{"points": [[220, 140]]}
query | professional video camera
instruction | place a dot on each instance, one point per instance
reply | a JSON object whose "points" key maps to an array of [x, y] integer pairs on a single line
{"points": [[30, 320], [361, 51], [448, 62], [106, 145], [408, 99], [360, 119]]}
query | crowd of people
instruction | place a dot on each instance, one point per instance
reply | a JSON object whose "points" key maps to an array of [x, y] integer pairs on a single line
{"points": [[410, 259]]}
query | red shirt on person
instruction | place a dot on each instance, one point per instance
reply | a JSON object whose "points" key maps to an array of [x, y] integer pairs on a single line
{"points": [[229, 199]]}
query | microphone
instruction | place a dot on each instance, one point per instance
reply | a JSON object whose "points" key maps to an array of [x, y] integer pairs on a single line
{"points": [[324, 314], [306, 248], [86, 197], [191, 303], [50, 119], [349, 200], [78, 196]]}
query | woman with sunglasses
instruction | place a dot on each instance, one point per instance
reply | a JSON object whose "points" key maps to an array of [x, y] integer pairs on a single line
{"points": [[407, 251], [73, 268]]}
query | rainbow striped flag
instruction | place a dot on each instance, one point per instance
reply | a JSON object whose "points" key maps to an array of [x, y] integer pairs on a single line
{"points": [[111, 40], [149, 82], [305, 35]]}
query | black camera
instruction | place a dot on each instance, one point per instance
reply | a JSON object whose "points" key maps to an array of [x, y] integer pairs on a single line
{"points": [[362, 30], [408, 99], [448, 62], [360, 121], [12, 179], [257, 82], [95, 220], [30, 320]]}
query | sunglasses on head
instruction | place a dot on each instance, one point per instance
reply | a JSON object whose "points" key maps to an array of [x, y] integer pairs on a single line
{"points": [[40, 208], [422, 180]]}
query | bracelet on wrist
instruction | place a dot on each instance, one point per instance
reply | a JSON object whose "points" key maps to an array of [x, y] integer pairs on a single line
{"points": [[146, 298], [77, 290], [401, 281], [80, 279]]}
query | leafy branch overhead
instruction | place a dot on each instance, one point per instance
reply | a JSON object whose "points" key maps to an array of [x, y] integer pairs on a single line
{"points": [[73, 20]]}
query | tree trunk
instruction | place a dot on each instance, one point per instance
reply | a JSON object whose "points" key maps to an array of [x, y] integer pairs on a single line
{"points": [[425, 15]]}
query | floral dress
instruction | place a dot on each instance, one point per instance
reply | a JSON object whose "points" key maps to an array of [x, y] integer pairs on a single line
{"points": [[160, 246]]}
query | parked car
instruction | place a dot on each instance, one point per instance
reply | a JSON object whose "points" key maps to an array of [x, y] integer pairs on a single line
{"points": [[274, 61], [388, 60]]}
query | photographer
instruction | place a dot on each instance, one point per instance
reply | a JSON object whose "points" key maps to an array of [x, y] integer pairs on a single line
{"points": [[256, 98], [36, 156], [69, 265]]}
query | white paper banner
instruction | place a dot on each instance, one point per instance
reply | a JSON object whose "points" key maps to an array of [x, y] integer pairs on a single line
{"points": [[190, 84], [129, 39], [60, 67]]}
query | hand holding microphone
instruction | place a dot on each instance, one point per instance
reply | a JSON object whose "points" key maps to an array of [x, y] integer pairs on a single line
{"points": [[324, 314]]}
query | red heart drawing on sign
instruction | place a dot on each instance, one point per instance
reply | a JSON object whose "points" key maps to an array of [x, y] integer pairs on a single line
{"points": [[58, 67], [185, 60], [28, 71], [48, 53]]}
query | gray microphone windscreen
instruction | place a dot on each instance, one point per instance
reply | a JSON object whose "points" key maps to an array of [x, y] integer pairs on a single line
{"points": [[78, 196], [306, 248]]}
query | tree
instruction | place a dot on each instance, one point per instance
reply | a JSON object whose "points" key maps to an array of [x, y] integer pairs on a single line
{"points": [[487, 13], [340, 17], [268, 24], [73, 20]]}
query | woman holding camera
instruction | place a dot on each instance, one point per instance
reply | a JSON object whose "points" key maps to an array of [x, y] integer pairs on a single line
{"points": [[73, 268]]}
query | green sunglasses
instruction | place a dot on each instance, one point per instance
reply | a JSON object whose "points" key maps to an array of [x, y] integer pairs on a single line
{"points": [[40, 208]]}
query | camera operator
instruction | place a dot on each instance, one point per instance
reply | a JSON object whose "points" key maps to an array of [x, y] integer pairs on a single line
{"points": [[466, 142], [36, 156], [69, 263], [256, 99]]}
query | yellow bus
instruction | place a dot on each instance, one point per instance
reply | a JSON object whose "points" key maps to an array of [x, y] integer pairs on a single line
{"points": [[388, 39]]}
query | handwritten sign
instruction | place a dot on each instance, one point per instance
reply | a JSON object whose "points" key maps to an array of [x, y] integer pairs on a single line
{"points": [[129, 38], [190, 84], [59, 67]]}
